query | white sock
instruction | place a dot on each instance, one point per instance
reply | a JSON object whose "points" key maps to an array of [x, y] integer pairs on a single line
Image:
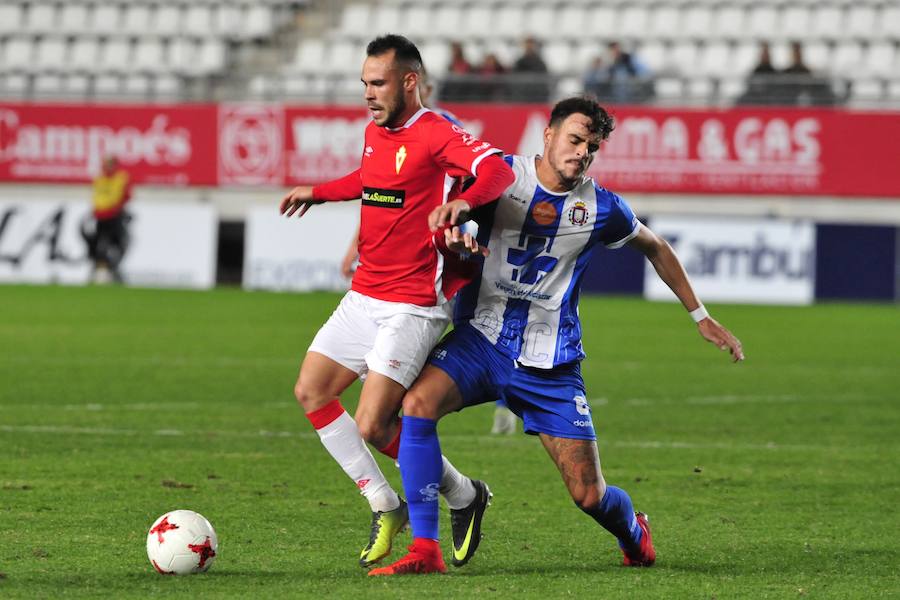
{"points": [[456, 488], [342, 440]]}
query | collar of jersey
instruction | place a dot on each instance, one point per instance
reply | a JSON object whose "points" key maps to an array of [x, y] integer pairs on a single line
{"points": [[411, 120]]}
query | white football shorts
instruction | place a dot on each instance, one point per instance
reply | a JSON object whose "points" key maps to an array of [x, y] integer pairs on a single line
{"points": [[392, 338]]}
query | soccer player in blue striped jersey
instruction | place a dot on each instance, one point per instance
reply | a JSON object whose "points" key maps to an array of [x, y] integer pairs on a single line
{"points": [[518, 336]]}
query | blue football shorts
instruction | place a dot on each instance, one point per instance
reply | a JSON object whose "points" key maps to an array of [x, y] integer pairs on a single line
{"points": [[550, 401]]}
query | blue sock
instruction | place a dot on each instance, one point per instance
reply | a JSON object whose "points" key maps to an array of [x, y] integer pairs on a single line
{"points": [[616, 514], [501, 403], [421, 468]]}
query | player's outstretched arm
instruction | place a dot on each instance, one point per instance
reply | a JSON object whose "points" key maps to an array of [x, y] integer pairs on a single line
{"points": [[671, 271], [348, 187]]}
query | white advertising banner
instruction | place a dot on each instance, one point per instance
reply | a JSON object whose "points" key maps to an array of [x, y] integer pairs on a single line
{"points": [[170, 245], [739, 260], [282, 254]]}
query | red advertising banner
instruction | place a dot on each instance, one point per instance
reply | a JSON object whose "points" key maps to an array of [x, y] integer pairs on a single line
{"points": [[56, 143], [783, 151]]}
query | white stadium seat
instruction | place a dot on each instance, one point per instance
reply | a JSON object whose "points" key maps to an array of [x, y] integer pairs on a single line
{"points": [[48, 84], [479, 21], [211, 56], [83, 55], [602, 22], [865, 91], [447, 22], [665, 23], [182, 55], [115, 56], [229, 22], [745, 57], [168, 19], [817, 56], [510, 22], [41, 18], [540, 21], [355, 19], [862, 22], [106, 19], [310, 56], [11, 18], [74, 18], [697, 22], [633, 21], [715, 59], [795, 22], [418, 20], [558, 56], [828, 22], [880, 59], [51, 55], [889, 21], [346, 57], [137, 19], [149, 56], [259, 22], [653, 55], [384, 19], [198, 20], [847, 59], [729, 21], [683, 57], [18, 54], [436, 55], [762, 21]]}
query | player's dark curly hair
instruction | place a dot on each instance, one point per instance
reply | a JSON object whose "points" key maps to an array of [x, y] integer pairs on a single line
{"points": [[601, 121], [405, 52]]}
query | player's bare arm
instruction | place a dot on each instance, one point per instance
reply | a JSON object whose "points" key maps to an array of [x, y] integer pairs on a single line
{"points": [[671, 271]]}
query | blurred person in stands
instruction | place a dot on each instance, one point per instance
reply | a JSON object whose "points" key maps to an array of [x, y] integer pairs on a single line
{"points": [[628, 75], [491, 85], [532, 78], [808, 88], [457, 86], [763, 84], [108, 242], [398, 305]]}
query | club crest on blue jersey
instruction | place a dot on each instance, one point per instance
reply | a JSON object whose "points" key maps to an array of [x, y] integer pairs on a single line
{"points": [[578, 214]]}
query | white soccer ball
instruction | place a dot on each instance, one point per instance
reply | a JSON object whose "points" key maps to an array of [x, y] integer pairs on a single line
{"points": [[181, 542]]}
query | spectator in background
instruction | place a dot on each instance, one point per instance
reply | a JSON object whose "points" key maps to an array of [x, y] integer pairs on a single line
{"points": [[532, 78], [491, 83], [764, 85], [596, 79], [457, 85], [109, 241], [458, 63], [794, 85], [629, 77]]}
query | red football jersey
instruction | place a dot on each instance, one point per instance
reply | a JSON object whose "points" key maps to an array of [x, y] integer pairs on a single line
{"points": [[406, 173]]}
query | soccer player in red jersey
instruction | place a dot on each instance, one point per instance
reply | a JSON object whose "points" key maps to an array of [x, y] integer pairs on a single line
{"points": [[397, 306]]}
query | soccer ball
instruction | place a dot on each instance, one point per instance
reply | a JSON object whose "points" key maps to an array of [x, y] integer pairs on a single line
{"points": [[181, 542]]}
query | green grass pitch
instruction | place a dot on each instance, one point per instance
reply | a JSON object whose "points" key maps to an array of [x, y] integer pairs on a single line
{"points": [[775, 478]]}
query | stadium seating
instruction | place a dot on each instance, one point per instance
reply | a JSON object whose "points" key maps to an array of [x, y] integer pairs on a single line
{"points": [[74, 48]]}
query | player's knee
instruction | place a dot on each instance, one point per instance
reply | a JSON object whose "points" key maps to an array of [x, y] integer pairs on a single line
{"points": [[373, 432], [416, 404], [587, 498], [308, 398]]}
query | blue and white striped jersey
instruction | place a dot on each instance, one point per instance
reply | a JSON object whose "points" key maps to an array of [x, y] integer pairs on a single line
{"points": [[526, 299]]}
